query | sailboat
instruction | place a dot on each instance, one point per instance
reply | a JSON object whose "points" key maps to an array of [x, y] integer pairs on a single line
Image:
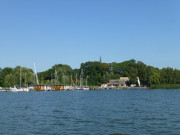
{"points": [[19, 88], [76, 85], [81, 87], [86, 87]]}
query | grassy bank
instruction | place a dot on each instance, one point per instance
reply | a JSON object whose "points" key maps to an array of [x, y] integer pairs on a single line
{"points": [[165, 86]]}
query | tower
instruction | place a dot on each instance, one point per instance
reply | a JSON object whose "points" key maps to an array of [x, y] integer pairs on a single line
{"points": [[100, 60]]}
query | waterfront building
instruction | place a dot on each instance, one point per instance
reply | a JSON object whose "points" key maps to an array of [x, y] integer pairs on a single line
{"points": [[119, 82], [122, 82]]}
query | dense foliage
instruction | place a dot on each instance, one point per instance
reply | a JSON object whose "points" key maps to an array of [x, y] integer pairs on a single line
{"points": [[58, 74], [165, 86], [95, 73], [10, 77]]}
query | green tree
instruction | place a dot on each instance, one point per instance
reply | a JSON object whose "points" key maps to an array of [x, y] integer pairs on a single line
{"points": [[10, 80], [154, 79], [3, 74], [142, 72], [94, 70], [26, 76], [133, 75], [59, 73]]}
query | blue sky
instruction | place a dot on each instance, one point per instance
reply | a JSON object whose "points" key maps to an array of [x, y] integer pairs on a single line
{"points": [[75, 31]]}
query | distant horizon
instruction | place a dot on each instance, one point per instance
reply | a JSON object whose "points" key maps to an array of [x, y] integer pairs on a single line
{"points": [[74, 32]]}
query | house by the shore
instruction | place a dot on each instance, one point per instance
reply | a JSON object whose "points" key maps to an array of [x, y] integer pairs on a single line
{"points": [[122, 82]]}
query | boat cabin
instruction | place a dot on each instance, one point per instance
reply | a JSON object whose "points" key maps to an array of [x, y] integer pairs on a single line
{"points": [[42, 87], [58, 87]]}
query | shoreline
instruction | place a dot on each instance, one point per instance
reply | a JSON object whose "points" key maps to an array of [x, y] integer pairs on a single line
{"points": [[118, 88], [97, 88]]}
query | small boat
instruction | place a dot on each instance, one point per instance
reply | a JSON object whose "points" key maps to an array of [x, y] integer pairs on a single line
{"points": [[77, 88], [85, 88], [18, 88]]}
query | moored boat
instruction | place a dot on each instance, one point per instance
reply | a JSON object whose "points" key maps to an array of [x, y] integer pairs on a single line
{"points": [[85, 88], [18, 88]]}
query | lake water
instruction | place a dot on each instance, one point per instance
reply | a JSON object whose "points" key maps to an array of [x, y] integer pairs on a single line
{"points": [[96, 112]]}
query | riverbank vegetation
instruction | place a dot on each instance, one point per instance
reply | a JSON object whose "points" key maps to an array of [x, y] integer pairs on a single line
{"points": [[165, 86], [95, 73], [11, 76]]}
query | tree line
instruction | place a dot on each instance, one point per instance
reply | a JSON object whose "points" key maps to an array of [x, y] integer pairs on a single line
{"points": [[11, 76], [95, 73]]}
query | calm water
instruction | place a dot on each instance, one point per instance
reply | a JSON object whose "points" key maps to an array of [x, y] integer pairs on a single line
{"points": [[131, 112]]}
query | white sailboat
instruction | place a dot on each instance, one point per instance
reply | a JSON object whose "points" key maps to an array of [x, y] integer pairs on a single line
{"points": [[18, 88], [81, 83]]}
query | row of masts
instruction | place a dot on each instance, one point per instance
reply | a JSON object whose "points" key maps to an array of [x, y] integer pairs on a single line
{"points": [[81, 79], [35, 76], [36, 80]]}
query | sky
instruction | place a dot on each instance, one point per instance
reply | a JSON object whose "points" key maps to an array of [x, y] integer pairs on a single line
{"points": [[72, 32]]}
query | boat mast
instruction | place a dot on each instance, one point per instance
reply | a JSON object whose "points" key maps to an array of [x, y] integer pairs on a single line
{"points": [[81, 79], [51, 78], [25, 80], [71, 80], [20, 76], [41, 79], [56, 77], [34, 78], [86, 81], [36, 74], [76, 79]]}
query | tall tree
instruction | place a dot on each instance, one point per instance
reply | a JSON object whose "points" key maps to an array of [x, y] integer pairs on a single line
{"points": [[133, 75]]}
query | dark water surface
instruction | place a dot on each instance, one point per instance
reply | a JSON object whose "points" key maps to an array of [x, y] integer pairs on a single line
{"points": [[131, 112]]}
